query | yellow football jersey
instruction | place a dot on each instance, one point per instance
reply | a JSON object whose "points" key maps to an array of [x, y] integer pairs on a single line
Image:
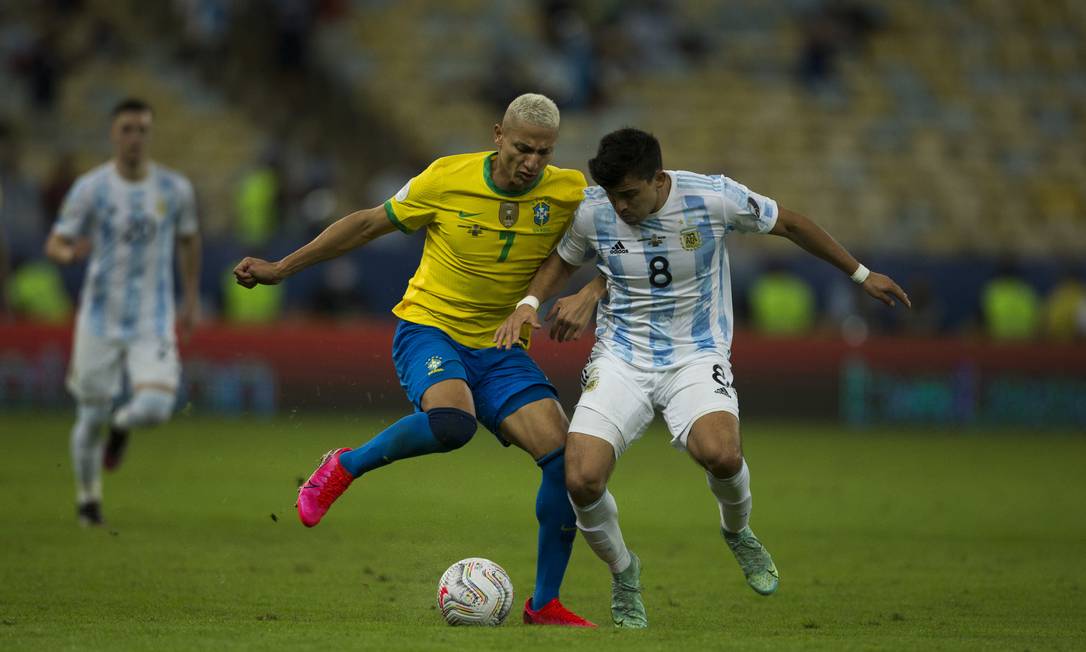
{"points": [[483, 244]]}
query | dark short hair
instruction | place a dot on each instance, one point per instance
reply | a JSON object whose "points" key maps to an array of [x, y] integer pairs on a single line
{"points": [[129, 104], [626, 152]]}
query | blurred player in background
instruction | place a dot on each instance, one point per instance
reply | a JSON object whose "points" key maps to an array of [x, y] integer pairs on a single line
{"points": [[664, 338], [491, 218], [127, 215]]}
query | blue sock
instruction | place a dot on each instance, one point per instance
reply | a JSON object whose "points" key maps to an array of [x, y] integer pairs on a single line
{"points": [[411, 436], [557, 528]]}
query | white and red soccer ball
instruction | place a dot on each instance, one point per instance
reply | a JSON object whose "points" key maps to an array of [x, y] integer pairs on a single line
{"points": [[475, 591]]}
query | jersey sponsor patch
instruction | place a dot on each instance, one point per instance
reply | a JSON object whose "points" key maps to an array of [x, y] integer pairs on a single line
{"points": [[474, 230], [508, 213], [401, 196]]}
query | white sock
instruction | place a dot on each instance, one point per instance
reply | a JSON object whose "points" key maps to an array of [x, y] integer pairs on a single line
{"points": [[733, 495], [87, 447], [148, 407], [598, 524]]}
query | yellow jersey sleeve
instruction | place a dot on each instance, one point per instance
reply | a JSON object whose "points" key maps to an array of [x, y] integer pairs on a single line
{"points": [[483, 244], [415, 205]]}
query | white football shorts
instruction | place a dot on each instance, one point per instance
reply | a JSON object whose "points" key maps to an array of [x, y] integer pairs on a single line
{"points": [[94, 374], [618, 401]]}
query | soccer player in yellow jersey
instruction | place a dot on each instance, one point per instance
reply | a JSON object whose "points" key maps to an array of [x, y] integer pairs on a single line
{"points": [[491, 219]]}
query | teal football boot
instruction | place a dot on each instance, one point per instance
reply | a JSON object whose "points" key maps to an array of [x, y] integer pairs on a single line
{"points": [[754, 559]]}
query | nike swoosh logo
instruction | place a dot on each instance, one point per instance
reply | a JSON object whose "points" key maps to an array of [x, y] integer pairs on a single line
{"points": [[463, 214]]}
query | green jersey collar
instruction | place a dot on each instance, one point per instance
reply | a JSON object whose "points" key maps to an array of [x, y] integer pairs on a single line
{"points": [[506, 193]]}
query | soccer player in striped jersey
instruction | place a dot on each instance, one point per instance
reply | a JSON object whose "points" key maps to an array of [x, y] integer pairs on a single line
{"points": [[491, 218], [663, 338], [128, 214]]}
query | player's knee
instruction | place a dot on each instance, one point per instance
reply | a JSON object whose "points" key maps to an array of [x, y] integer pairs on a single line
{"points": [[147, 408], [89, 419], [93, 414], [724, 463], [585, 485], [452, 427], [153, 408]]}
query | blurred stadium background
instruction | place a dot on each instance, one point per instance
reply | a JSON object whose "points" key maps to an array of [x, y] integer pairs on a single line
{"points": [[942, 141]]}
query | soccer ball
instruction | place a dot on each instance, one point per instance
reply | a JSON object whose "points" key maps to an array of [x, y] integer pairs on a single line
{"points": [[475, 591]]}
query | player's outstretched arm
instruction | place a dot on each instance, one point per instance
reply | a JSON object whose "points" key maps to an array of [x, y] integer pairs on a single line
{"points": [[551, 276], [803, 231], [343, 235], [569, 316], [65, 251]]}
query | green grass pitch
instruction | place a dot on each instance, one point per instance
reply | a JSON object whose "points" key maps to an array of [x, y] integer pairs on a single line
{"points": [[891, 539]]}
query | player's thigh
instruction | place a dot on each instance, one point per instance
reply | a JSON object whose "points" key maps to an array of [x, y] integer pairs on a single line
{"points": [[453, 393], [153, 363], [615, 403], [695, 390], [714, 442], [94, 373], [537, 427], [515, 400], [429, 366]]}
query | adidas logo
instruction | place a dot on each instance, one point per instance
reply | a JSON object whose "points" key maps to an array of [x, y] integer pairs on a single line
{"points": [[619, 248]]}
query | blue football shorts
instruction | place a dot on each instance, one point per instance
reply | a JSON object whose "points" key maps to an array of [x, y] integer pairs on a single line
{"points": [[501, 382]]}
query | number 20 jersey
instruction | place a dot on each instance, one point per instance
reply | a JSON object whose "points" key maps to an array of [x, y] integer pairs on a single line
{"points": [[128, 290], [483, 244], [668, 279]]}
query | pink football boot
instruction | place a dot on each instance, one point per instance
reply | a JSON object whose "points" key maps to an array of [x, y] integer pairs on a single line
{"points": [[322, 488]]}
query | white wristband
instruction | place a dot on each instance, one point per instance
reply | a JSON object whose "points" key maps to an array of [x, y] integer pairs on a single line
{"points": [[530, 301], [861, 274]]}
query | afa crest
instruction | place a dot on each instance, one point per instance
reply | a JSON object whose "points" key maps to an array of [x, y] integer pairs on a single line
{"points": [[590, 378], [433, 365], [541, 213], [691, 239]]}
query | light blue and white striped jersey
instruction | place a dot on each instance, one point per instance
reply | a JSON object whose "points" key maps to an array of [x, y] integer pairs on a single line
{"points": [[668, 279], [128, 289]]}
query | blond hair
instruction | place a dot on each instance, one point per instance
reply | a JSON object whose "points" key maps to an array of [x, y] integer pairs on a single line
{"points": [[533, 109]]}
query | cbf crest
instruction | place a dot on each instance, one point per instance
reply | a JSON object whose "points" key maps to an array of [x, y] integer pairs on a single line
{"points": [[508, 213], [541, 213], [690, 239], [433, 365]]}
